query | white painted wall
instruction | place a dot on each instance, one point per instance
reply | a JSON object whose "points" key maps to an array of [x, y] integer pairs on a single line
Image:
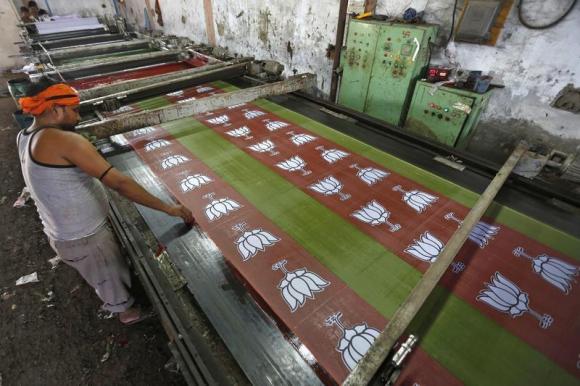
{"points": [[9, 34]]}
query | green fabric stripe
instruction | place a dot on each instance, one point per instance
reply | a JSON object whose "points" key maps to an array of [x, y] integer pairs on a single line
{"points": [[532, 228], [102, 56], [474, 348]]}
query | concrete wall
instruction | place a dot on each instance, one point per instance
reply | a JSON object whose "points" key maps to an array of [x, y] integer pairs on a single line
{"points": [[9, 34]]}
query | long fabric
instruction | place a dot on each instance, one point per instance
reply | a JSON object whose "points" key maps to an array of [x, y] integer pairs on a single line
{"points": [[506, 313]]}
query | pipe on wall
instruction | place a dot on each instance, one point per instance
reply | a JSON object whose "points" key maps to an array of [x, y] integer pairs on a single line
{"points": [[338, 48]]}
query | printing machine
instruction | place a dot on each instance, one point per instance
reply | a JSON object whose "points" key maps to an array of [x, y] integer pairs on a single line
{"points": [[218, 330]]}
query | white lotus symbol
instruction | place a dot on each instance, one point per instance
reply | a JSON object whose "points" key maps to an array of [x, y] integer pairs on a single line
{"points": [[293, 164], [301, 139], [299, 285], [481, 233], [555, 271], [263, 147], [329, 186], [189, 100], [275, 125], [222, 206], [156, 144], [254, 241], [175, 93], [236, 106], [251, 114], [503, 295], [355, 341], [427, 248], [332, 155], [220, 120], [124, 109], [370, 176], [204, 89], [416, 199], [172, 161], [374, 214], [193, 182], [243, 131], [144, 130]]}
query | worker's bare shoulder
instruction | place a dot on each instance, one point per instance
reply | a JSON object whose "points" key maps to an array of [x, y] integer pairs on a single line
{"points": [[65, 138]]}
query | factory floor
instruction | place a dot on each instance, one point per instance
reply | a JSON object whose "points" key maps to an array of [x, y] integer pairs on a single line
{"points": [[60, 339]]}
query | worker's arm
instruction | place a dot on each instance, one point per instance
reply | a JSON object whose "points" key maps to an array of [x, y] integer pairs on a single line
{"points": [[80, 152]]}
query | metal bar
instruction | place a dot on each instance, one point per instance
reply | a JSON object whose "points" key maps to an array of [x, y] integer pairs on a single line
{"points": [[78, 41], [338, 48], [92, 95], [91, 63], [74, 52], [130, 122], [377, 354], [155, 89]]}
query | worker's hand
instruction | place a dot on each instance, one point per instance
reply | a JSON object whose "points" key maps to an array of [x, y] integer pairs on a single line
{"points": [[181, 211]]}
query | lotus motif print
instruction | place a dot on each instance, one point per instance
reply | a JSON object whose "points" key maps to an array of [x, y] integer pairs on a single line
{"points": [[482, 232], [275, 125], [264, 147], [505, 296], [189, 100], [355, 341], [333, 155], [193, 182], [300, 139], [143, 131], [555, 271], [254, 241], [218, 208], [416, 199], [243, 131], [427, 248], [219, 120], [204, 89], [370, 175], [237, 106], [330, 186], [251, 114], [299, 285], [375, 214], [175, 93], [172, 161], [294, 164], [156, 144]]}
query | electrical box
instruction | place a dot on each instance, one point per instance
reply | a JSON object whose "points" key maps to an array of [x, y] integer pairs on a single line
{"points": [[380, 65], [445, 114]]}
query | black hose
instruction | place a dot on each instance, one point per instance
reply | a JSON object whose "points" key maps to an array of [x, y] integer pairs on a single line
{"points": [[453, 22], [545, 26]]}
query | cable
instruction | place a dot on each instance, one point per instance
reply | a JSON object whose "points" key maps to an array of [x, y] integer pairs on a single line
{"points": [[453, 22], [545, 26]]}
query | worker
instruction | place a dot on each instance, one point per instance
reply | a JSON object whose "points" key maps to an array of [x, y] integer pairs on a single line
{"points": [[43, 15], [65, 176], [25, 15], [35, 11]]}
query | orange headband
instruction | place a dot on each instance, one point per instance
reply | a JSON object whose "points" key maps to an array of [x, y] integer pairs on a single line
{"points": [[59, 94]]}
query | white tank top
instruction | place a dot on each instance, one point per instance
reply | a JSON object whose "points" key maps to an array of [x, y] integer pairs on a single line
{"points": [[71, 204]]}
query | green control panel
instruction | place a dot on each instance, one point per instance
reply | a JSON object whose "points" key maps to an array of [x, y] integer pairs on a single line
{"points": [[447, 115], [380, 65]]}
